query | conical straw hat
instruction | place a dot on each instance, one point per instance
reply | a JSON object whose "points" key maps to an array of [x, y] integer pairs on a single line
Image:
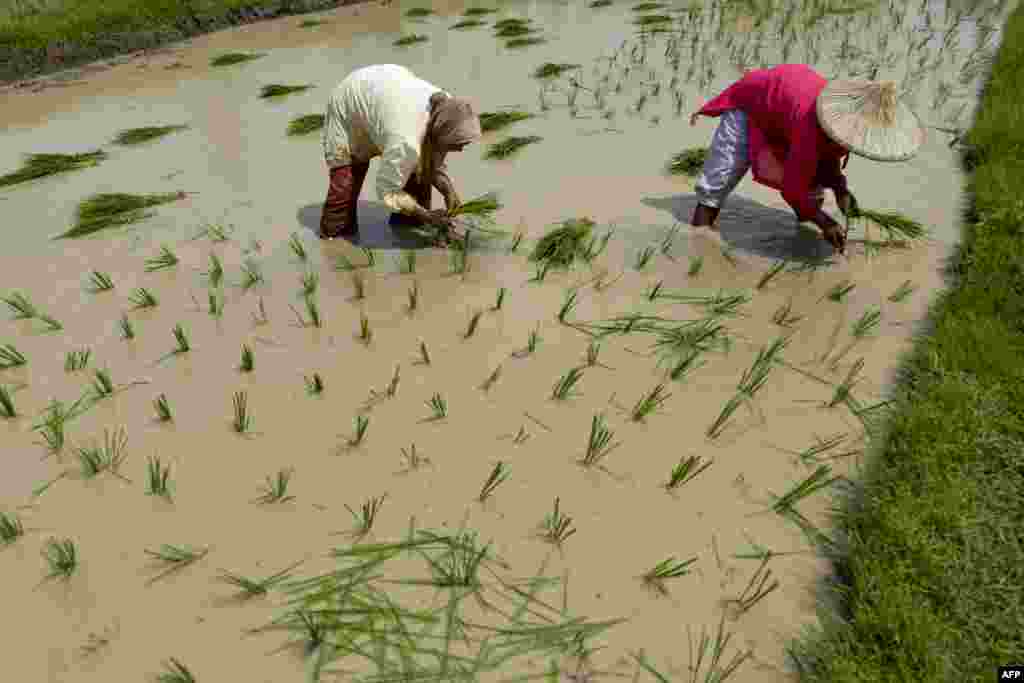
{"points": [[868, 118]]}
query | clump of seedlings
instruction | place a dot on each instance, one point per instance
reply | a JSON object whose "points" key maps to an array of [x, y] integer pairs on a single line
{"points": [[686, 470], [510, 145], [126, 327], [896, 226], [77, 360], [563, 244], [175, 558], [599, 443], [7, 409], [166, 259], [362, 424], [564, 386], [366, 516], [718, 426], [556, 527], [143, 298], [438, 408], [57, 416], [314, 384], [11, 529], [158, 478], [784, 315], [689, 162], [106, 458], [478, 11], [52, 324], [523, 42], [595, 4], [21, 307], [295, 244], [249, 588], [843, 391], [498, 475], [512, 27], [643, 257], [649, 402], [567, 306], [248, 362], [756, 589], [696, 264], [231, 58], [100, 282], [312, 310], [770, 274], [252, 274], [215, 274], [839, 291], [411, 39], [62, 558], [138, 136], [175, 672], [467, 23], [242, 421], [647, 6], [111, 209], [417, 12], [215, 303], [43, 165], [310, 282], [103, 385], [902, 292], [277, 90], [162, 408], [670, 568], [306, 124], [867, 323], [553, 70], [276, 489], [821, 478], [652, 20]]}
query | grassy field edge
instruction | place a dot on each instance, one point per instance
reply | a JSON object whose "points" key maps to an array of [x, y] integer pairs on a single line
{"points": [[92, 30], [929, 571]]}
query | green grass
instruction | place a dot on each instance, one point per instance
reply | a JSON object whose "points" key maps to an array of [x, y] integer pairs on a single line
{"points": [[273, 90], [138, 136], [43, 165], [411, 39], [306, 124], [112, 209], [105, 458], [553, 69], [507, 147], [232, 58]]}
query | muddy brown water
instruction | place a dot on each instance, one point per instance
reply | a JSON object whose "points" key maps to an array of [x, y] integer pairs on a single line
{"points": [[265, 186]]}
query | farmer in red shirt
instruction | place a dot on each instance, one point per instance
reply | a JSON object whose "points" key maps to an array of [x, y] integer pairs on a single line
{"points": [[795, 130]]}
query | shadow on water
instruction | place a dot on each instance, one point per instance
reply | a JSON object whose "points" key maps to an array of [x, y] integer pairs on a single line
{"points": [[375, 232], [751, 227]]}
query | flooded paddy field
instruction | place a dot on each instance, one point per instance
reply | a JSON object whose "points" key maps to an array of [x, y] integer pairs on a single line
{"points": [[590, 425]]}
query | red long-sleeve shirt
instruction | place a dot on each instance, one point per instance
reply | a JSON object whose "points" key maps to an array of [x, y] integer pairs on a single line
{"points": [[780, 108]]}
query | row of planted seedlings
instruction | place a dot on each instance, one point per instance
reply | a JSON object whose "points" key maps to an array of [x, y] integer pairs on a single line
{"points": [[570, 242]]}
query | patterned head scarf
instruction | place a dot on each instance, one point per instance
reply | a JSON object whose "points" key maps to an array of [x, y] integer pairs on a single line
{"points": [[453, 122]]}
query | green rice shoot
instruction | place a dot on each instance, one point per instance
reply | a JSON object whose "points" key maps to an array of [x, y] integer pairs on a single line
{"points": [[438, 407], [138, 136], [696, 264], [242, 421], [276, 489], [553, 70], [867, 323], [902, 292], [274, 90], [103, 385], [498, 475], [895, 226], [416, 12], [299, 249], [839, 291], [162, 407], [165, 259], [143, 298], [718, 426], [232, 58], [249, 588], [362, 423], [770, 274], [411, 39], [689, 162], [11, 529], [526, 41], [158, 478], [821, 478], [306, 124], [685, 471], [100, 282], [314, 384], [599, 443], [510, 145], [7, 409], [669, 568], [563, 388], [366, 516], [649, 402], [21, 307], [557, 527], [38, 166], [62, 558], [463, 24], [126, 327], [567, 306], [757, 588], [248, 361], [112, 209], [564, 244]]}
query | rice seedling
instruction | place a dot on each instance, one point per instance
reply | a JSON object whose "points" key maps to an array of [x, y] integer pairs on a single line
{"points": [[295, 243], [411, 39], [7, 409], [839, 291], [216, 232], [512, 28], [567, 306], [473, 323], [812, 455], [242, 421], [413, 460], [496, 120], [816, 481], [756, 589], [276, 490], [902, 292], [510, 21], [689, 162], [525, 41], [541, 271], [38, 166], [312, 310], [896, 226], [103, 385], [358, 286], [215, 274], [595, 4], [163, 409], [718, 426], [158, 477], [563, 244], [517, 239], [599, 443], [259, 317], [685, 471], [310, 281], [413, 296], [467, 23], [166, 259], [556, 527], [498, 475], [424, 358], [755, 377], [143, 298], [11, 529], [306, 124], [277, 90], [181, 341], [250, 588], [314, 384], [644, 257], [669, 240], [52, 426], [479, 11], [365, 331], [784, 316], [842, 392], [647, 6], [75, 361], [696, 264], [438, 408], [110, 209], [491, 379], [417, 12], [62, 558], [770, 274], [176, 672], [564, 386], [510, 145], [138, 136], [362, 423], [866, 323], [230, 58], [366, 516], [669, 568], [252, 274], [21, 307], [106, 458], [649, 402], [685, 365], [553, 70], [52, 324], [176, 558], [310, 23], [100, 282]]}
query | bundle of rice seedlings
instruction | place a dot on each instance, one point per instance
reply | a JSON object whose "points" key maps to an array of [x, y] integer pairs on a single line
{"points": [[411, 39], [467, 23], [310, 23], [652, 20], [417, 12], [477, 11], [230, 58], [896, 226], [482, 207], [303, 125], [278, 90], [510, 23], [42, 165], [594, 4], [109, 209], [510, 145], [689, 162], [137, 136], [494, 120], [562, 245], [553, 70], [523, 42], [648, 6]]}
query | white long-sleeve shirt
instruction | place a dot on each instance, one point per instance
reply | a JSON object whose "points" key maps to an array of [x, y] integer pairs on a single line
{"points": [[380, 110]]}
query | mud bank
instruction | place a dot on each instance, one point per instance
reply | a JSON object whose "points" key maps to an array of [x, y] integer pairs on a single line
{"points": [[21, 62]]}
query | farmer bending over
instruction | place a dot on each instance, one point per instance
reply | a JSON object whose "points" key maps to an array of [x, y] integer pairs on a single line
{"points": [[385, 110], [795, 130]]}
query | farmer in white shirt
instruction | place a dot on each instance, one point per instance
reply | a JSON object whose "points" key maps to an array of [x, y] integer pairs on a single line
{"points": [[384, 110]]}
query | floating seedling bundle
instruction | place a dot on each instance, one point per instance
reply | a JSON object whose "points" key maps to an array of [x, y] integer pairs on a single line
{"points": [[495, 120], [689, 162], [303, 125], [278, 90], [231, 58], [562, 245], [411, 40], [42, 165], [468, 23], [138, 136], [895, 226], [553, 70], [107, 210], [510, 145]]}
